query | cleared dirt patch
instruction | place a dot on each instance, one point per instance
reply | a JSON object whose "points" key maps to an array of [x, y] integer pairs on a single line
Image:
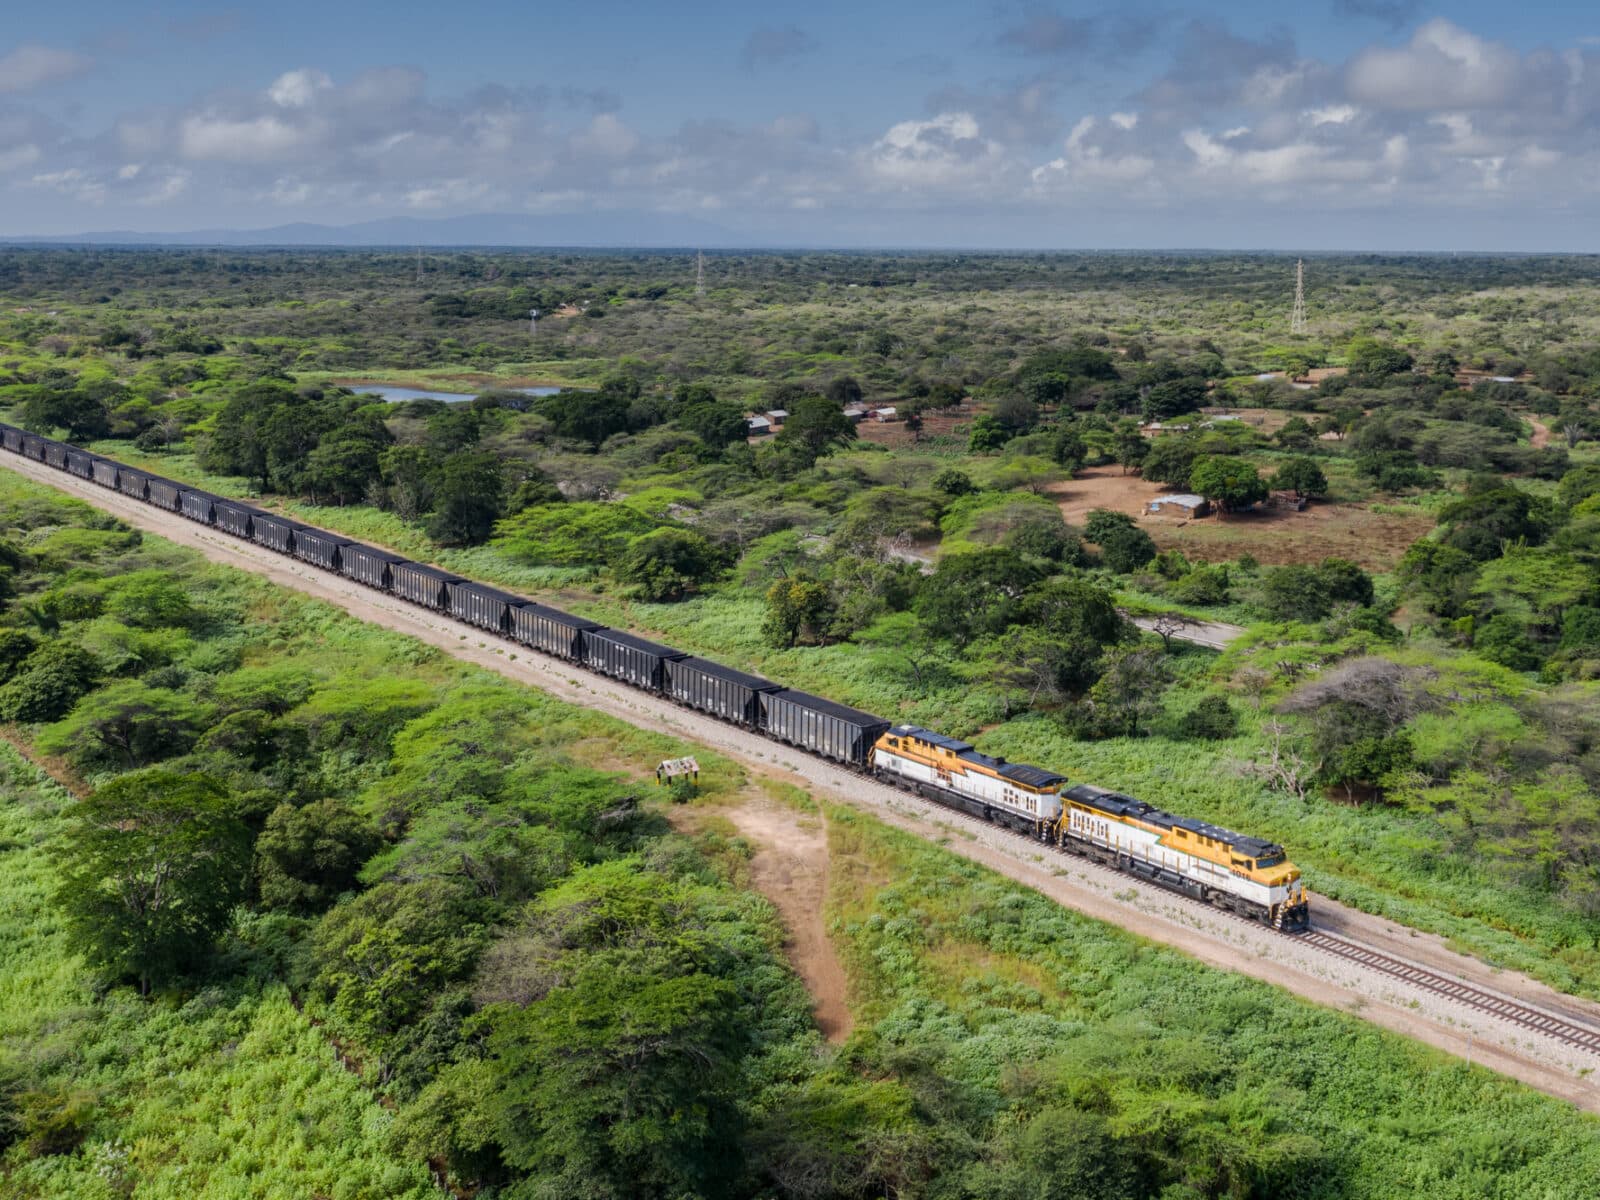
{"points": [[1104, 487], [1273, 536], [1277, 537]]}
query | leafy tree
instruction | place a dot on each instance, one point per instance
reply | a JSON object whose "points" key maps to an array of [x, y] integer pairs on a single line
{"points": [[306, 856], [666, 564], [1343, 582], [345, 464], [150, 873], [1126, 548], [575, 533], [1230, 483], [816, 427], [1481, 523], [715, 423], [1302, 476], [1129, 446], [953, 481], [1294, 593], [621, 1073], [987, 434], [844, 391], [468, 498], [1174, 398], [126, 724], [15, 646], [1129, 691], [1170, 460], [1504, 639], [1296, 434], [1067, 448], [796, 607], [1375, 359], [1211, 719], [78, 410], [969, 595], [592, 416], [48, 682], [408, 473]]}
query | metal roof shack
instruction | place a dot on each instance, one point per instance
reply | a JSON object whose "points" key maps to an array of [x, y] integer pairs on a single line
{"points": [[757, 426], [1184, 503], [777, 415], [855, 414], [885, 414]]}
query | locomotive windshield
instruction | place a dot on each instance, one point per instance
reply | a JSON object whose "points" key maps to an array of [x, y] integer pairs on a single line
{"points": [[1270, 859]]}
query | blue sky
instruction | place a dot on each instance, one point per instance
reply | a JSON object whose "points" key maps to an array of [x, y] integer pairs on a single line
{"points": [[1384, 124]]}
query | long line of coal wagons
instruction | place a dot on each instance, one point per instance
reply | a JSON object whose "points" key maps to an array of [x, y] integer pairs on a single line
{"points": [[812, 723]]}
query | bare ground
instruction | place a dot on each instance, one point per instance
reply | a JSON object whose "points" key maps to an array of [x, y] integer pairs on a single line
{"points": [[1212, 937], [790, 868], [1273, 536]]}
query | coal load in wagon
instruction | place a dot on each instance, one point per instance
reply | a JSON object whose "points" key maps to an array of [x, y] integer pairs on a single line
{"points": [[237, 519], [550, 629], [420, 583], [716, 689], [628, 658], [821, 726], [367, 564], [275, 533], [165, 494], [480, 605], [319, 548]]}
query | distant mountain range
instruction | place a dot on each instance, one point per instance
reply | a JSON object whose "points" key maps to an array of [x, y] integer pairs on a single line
{"points": [[601, 229]]}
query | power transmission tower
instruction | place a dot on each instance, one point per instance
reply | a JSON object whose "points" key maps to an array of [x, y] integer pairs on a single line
{"points": [[699, 273], [1297, 319], [419, 264]]}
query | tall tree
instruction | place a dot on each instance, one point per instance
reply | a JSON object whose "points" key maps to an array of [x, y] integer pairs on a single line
{"points": [[151, 872]]}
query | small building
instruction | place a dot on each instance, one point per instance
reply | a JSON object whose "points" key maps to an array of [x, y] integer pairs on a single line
{"points": [[885, 414], [777, 416], [855, 413], [1180, 504], [757, 426], [1292, 501]]}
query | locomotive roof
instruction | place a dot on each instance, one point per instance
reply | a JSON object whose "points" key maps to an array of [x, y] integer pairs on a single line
{"points": [[1126, 806], [1022, 773]]}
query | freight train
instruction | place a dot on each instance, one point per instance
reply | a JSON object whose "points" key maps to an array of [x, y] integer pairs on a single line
{"points": [[1231, 870]]}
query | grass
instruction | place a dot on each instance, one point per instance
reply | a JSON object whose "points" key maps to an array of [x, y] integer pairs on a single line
{"points": [[226, 1092], [1017, 1000]]}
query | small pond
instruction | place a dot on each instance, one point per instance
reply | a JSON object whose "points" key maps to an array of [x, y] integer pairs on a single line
{"points": [[396, 394]]}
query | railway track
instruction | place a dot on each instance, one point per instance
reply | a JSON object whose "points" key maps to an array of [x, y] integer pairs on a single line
{"points": [[1533, 1019], [1572, 1034]]}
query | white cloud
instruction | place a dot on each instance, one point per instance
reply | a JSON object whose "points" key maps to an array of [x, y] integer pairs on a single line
{"points": [[446, 193], [1443, 67], [1124, 120], [296, 89], [261, 139], [1332, 114], [17, 157], [947, 149], [29, 67], [606, 137], [72, 182]]}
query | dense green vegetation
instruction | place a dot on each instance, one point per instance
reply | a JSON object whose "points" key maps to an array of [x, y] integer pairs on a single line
{"points": [[926, 572], [453, 901]]}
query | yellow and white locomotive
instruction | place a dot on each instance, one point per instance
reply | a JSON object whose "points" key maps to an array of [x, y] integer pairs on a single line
{"points": [[1231, 870]]}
